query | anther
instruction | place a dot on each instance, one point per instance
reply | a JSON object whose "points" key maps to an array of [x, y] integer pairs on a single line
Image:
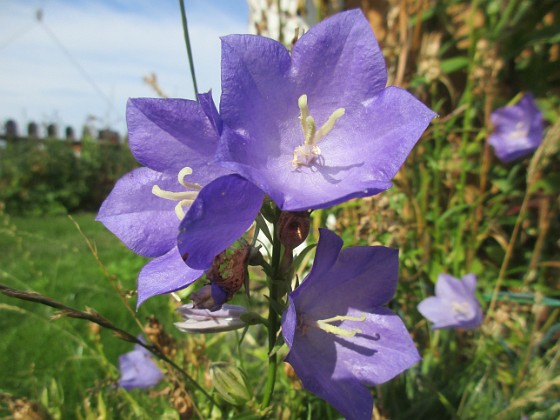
{"points": [[185, 198]]}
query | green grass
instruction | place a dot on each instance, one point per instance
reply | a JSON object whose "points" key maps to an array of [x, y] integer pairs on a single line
{"points": [[48, 255]]}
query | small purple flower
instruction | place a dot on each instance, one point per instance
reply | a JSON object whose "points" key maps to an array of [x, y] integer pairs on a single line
{"points": [[518, 129], [311, 128], [138, 370], [454, 305], [176, 140], [341, 338]]}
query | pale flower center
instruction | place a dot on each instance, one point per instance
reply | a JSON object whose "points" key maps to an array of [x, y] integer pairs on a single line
{"points": [[184, 198], [462, 310], [521, 130], [306, 154]]}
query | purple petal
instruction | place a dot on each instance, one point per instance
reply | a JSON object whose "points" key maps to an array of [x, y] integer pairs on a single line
{"points": [[255, 90], [450, 289], [469, 282], [221, 213], [339, 59], [365, 276], [359, 157], [168, 134], [289, 321], [438, 311], [328, 248], [380, 352], [145, 223], [209, 108], [518, 129], [138, 370], [165, 274], [314, 358]]}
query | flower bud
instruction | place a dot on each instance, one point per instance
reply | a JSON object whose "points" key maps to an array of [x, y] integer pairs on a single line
{"points": [[293, 228], [231, 383]]}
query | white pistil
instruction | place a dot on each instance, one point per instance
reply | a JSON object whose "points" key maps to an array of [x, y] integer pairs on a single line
{"points": [[325, 325], [309, 151], [185, 198]]}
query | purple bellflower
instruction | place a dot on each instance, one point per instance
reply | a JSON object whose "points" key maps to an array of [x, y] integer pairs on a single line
{"points": [[341, 338], [518, 129], [454, 305], [138, 370], [176, 140], [311, 129]]}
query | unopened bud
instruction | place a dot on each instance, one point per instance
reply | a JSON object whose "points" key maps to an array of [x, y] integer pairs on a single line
{"points": [[231, 383], [293, 228]]}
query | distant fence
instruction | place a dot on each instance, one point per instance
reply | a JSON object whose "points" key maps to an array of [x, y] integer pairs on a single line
{"points": [[52, 175]]}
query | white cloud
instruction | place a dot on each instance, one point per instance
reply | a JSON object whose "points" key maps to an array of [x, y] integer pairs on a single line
{"points": [[116, 45]]}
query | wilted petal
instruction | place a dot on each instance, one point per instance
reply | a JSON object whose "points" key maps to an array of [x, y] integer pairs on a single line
{"points": [[221, 213], [205, 321]]}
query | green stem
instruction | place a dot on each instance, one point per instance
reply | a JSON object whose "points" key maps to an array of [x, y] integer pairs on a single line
{"points": [[273, 320], [188, 45]]}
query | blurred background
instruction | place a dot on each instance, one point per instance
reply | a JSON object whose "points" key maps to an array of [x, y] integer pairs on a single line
{"points": [[67, 69]]}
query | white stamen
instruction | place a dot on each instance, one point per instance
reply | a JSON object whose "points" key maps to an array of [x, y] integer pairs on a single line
{"points": [[185, 198], [309, 151], [325, 325]]}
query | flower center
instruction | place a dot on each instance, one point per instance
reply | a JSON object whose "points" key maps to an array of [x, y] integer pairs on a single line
{"points": [[185, 198], [462, 311], [306, 154], [326, 325], [521, 130]]}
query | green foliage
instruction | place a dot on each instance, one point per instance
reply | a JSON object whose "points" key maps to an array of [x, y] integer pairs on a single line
{"points": [[45, 177]]}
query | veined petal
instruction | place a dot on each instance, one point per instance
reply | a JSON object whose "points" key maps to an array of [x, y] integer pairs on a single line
{"points": [[203, 321], [165, 274], [339, 60], [145, 223], [221, 213], [168, 134], [380, 352], [314, 358]]}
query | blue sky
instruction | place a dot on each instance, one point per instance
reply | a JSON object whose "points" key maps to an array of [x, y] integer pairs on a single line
{"points": [[115, 43]]}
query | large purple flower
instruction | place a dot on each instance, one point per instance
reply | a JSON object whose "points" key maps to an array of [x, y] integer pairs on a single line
{"points": [[138, 370], [311, 129], [518, 129], [176, 140], [454, 305], [341, 338]]}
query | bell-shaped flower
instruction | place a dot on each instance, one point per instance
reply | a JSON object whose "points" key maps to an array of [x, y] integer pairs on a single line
{"points": [[310, 128], [138, 370], [454, 305], [518, 129], [176, 140], [205, 321], [341, 337]]}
